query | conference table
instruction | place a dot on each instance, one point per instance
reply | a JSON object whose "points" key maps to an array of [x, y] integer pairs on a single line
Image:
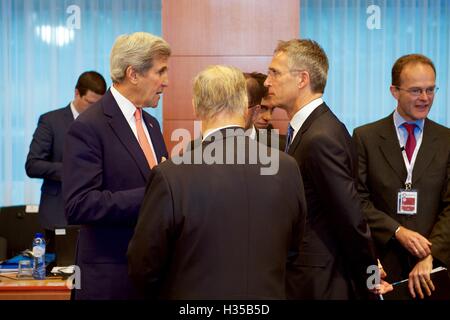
{"points": [[52, 288]]}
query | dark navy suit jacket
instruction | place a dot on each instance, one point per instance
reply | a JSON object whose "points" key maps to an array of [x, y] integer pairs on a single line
{"points": [[337, 247], [44, 161], [105, 173]]}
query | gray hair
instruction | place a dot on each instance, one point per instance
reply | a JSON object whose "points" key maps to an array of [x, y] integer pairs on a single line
{"points": [[137, 50], [220, 89], [307, 55]]}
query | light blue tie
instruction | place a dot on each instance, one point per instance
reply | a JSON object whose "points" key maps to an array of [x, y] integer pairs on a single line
{"points": [[290, 134]]}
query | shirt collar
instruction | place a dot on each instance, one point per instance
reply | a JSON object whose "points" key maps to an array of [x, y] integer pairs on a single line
{"points": [[300, 117], [211, 131], [253, 133], [75, 112], [399, 120], [126, 106]]}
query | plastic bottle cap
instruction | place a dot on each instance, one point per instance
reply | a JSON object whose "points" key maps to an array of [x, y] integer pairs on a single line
{"points": [[39, 235]]}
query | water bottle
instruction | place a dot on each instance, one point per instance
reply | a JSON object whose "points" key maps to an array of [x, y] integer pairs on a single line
{"points": [[39, 257]]}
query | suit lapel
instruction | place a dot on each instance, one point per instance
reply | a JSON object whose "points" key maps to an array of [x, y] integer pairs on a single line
{"points": [[427, 151], [390, 147], [68, 116], [123, 132], [305, 126]]}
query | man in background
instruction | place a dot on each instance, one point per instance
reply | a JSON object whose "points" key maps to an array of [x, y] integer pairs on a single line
{"points": [[45, 157], [223, 230], [255, 92], [404, 178], [260, 111], [109, 154], [264, 115]]}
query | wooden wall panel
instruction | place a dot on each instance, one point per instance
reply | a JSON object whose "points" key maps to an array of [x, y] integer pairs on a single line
{"points": [[169, 128], [229, 27], [178, 96], [242, 33]]}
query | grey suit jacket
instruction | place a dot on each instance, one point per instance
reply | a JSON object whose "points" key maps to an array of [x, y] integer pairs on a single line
{"points": [[218, 231], [382, 173]]}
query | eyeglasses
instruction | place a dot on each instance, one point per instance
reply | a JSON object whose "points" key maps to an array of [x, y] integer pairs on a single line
{"points": [[417, 92]]}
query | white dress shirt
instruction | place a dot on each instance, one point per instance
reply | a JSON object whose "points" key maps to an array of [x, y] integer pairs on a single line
{"points": [[75, 113], [402, 133], [300, 117], [128, 109]]}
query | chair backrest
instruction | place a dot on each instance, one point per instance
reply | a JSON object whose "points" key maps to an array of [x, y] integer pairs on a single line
{"points": [[65, 246], [3, 246], [18, 228]]}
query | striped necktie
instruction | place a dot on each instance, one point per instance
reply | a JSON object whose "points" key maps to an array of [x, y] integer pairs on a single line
{"points": [[290, 134]]}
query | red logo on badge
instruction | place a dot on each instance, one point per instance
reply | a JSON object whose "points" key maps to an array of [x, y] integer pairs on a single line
{"points": [[408, 203]]}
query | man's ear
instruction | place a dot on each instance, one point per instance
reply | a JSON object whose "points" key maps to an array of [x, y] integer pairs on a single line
{"points": [[193, 108], [394, 92], [77, 93], [303, 79], [131, 74], [247, 112]]}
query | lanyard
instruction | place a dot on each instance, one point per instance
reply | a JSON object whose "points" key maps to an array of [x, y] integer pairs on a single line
{"points": [[410, 165]]}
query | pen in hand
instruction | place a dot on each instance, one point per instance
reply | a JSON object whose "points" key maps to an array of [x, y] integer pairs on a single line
{"points": [[380, 268]]}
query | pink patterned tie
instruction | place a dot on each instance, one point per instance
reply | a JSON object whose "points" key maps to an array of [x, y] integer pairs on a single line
{"points": [[143, 141]]}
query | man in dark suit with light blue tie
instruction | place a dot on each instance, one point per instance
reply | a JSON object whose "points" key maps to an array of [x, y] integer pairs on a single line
{"points": [[44, 159], [336, 249], [109, 154], [404, 178]]}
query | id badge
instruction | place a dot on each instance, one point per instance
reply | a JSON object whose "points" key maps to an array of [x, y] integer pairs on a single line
{"points": [[407, 202]]}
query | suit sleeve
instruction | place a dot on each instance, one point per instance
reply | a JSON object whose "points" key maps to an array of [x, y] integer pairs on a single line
{"points": [[39, 164], [329, 166], [299, 227], [381, 224], [148, 251], [298, 231], [440, 235], [86, 201]]}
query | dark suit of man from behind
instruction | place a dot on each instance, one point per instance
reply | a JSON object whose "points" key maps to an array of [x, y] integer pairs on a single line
{"points": [[337, 248], [220, 229], [110, 152], [410, 242], [44, 159]]}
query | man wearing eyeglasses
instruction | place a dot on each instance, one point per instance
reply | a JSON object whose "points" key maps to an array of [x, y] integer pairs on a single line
{"points": [[260, 112], [255, 92], [404, 178]]}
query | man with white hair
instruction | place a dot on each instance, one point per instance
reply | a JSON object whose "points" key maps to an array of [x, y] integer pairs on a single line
{"points": [[214, 226], [110, 151]]}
